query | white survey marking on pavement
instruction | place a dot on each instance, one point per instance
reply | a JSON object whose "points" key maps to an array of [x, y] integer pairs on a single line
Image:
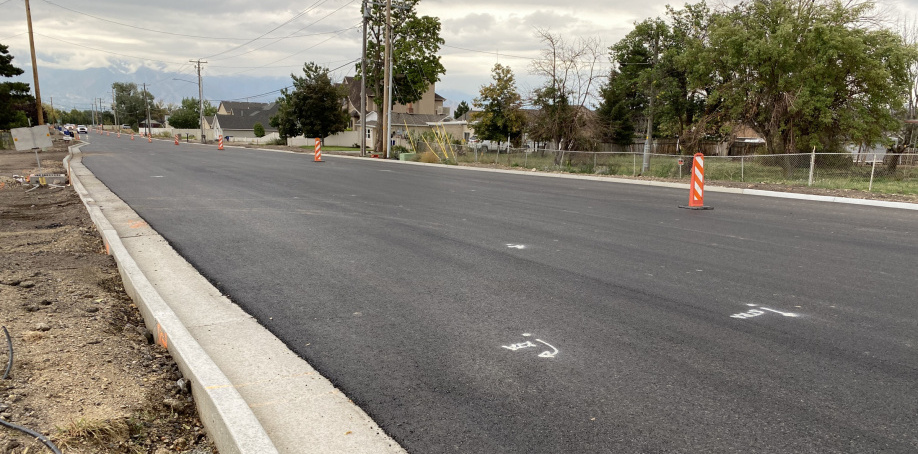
{"points": [[516, 246], [156, 176], [529, 344], [757, 312], [547, 353]]}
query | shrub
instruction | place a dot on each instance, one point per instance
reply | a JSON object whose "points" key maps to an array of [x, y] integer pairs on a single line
{"points": [[429, 157], [259, 130]]}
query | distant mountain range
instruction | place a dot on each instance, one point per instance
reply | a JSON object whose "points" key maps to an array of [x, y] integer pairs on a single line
{"points": [[70, 89]]}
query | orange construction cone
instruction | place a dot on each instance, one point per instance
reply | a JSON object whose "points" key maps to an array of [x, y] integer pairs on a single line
{"points": [[696, 190], [176, 139], [220, 143], [318, 156]]}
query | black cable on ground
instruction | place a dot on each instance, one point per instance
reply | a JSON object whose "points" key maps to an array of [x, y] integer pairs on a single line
{"points": [[33, 433], [9, 344]]}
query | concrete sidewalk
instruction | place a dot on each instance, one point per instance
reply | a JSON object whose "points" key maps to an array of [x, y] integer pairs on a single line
{"points": [[253, 394]]}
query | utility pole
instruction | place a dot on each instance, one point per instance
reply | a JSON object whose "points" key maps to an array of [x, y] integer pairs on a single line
{"points": [[363, 82], [41, 115], [200, 97], [115, 108], [387, 101], [52, 108], [645, 167], [147, 106]]}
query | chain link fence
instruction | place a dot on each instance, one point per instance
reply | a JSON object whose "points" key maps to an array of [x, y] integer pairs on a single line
{"points": [[888, 173]]}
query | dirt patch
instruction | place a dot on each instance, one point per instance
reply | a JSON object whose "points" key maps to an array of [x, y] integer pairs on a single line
{"points": [[85, 372]]}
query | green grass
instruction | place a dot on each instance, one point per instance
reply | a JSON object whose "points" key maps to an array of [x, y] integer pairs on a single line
{"points": [[840, 174]]}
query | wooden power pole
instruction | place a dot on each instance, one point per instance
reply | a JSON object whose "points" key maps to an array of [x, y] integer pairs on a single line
{"points": [[41, 115]]}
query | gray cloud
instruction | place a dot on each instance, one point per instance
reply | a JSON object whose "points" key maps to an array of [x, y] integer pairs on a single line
{"points": [[480, 32]]}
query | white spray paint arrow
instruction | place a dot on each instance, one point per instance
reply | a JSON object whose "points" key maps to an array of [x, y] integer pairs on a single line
{"points": [[786, 314], [547, 354]]}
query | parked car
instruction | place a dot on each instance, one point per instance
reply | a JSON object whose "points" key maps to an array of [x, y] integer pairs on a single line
{"points": [[82, 129]]}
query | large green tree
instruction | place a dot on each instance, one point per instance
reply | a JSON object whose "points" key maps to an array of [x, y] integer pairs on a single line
{"points": [[650, 60], [500, 108], [415, 64], [130, 103], [187, 116], [15, 97], [804, 73], [314, 107]]}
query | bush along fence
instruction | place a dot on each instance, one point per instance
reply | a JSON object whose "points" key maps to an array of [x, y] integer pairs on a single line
{"points": [[889, 173]]}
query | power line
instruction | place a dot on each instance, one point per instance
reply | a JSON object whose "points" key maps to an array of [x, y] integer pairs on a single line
{"points": [[288, 86], [490, 52], [299, 51], [297, 16], [294, 33]]}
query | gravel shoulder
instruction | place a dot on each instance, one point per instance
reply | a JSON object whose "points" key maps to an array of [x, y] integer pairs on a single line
{"points": [[85, 372]]}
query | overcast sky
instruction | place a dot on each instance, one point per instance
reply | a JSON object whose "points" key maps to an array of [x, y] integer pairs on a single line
{"points": [[275, 37]]}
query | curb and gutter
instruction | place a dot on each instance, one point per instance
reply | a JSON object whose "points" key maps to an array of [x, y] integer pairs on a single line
{"points": [[253, 395]]}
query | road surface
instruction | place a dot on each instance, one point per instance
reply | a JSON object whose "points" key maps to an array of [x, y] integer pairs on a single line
{"points": [[480, 312]]}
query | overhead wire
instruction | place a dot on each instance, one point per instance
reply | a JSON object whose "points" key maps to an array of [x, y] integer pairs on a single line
{"points": [[294, 33], [297, 16], [302, 50]]}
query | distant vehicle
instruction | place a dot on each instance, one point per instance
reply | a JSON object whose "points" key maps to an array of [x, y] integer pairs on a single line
{"points": [[125, 126], [487, 145], [82, 129]]}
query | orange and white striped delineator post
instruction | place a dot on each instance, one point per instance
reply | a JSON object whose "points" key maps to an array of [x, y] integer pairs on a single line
{"points": [[149, 138], [696, 190], [220, 143], [318, 157], [176, 139], [132, 136]]}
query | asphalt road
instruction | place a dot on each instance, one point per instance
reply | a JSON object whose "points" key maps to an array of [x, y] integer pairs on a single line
{"points": [[490, 313]]}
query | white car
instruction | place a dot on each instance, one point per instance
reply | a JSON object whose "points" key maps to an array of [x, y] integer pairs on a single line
{"points": [[82, 129], [487, 145]]}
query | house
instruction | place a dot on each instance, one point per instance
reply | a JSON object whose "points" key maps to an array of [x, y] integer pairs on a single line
{"points": [[422, 115], [236, 120]]}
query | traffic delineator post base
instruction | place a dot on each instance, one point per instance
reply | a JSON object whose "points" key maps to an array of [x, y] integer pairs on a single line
{"points": [[318, 155], [696, 188]]}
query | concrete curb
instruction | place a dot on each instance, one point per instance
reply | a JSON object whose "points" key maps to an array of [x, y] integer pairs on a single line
{"points": [[663, 184], [227, 417]]}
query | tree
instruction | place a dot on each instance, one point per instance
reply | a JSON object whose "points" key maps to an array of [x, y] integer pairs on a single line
{"points": [[571, 70], [804, 73], [15, 97], [461, 110], [415, 43], [258, 129], [501, 116], [314, 108], [187, 116], [651, 60], [130, 103]]}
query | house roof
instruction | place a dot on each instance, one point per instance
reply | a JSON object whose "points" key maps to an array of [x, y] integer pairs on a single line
{"points": [[402, 119], [248, 117], [243, 108]]}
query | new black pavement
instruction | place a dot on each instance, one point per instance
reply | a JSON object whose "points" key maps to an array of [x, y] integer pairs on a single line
{"points": [[483, 313]]}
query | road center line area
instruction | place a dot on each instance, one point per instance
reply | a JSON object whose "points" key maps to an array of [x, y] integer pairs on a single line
{"points": [[623, 349]]}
